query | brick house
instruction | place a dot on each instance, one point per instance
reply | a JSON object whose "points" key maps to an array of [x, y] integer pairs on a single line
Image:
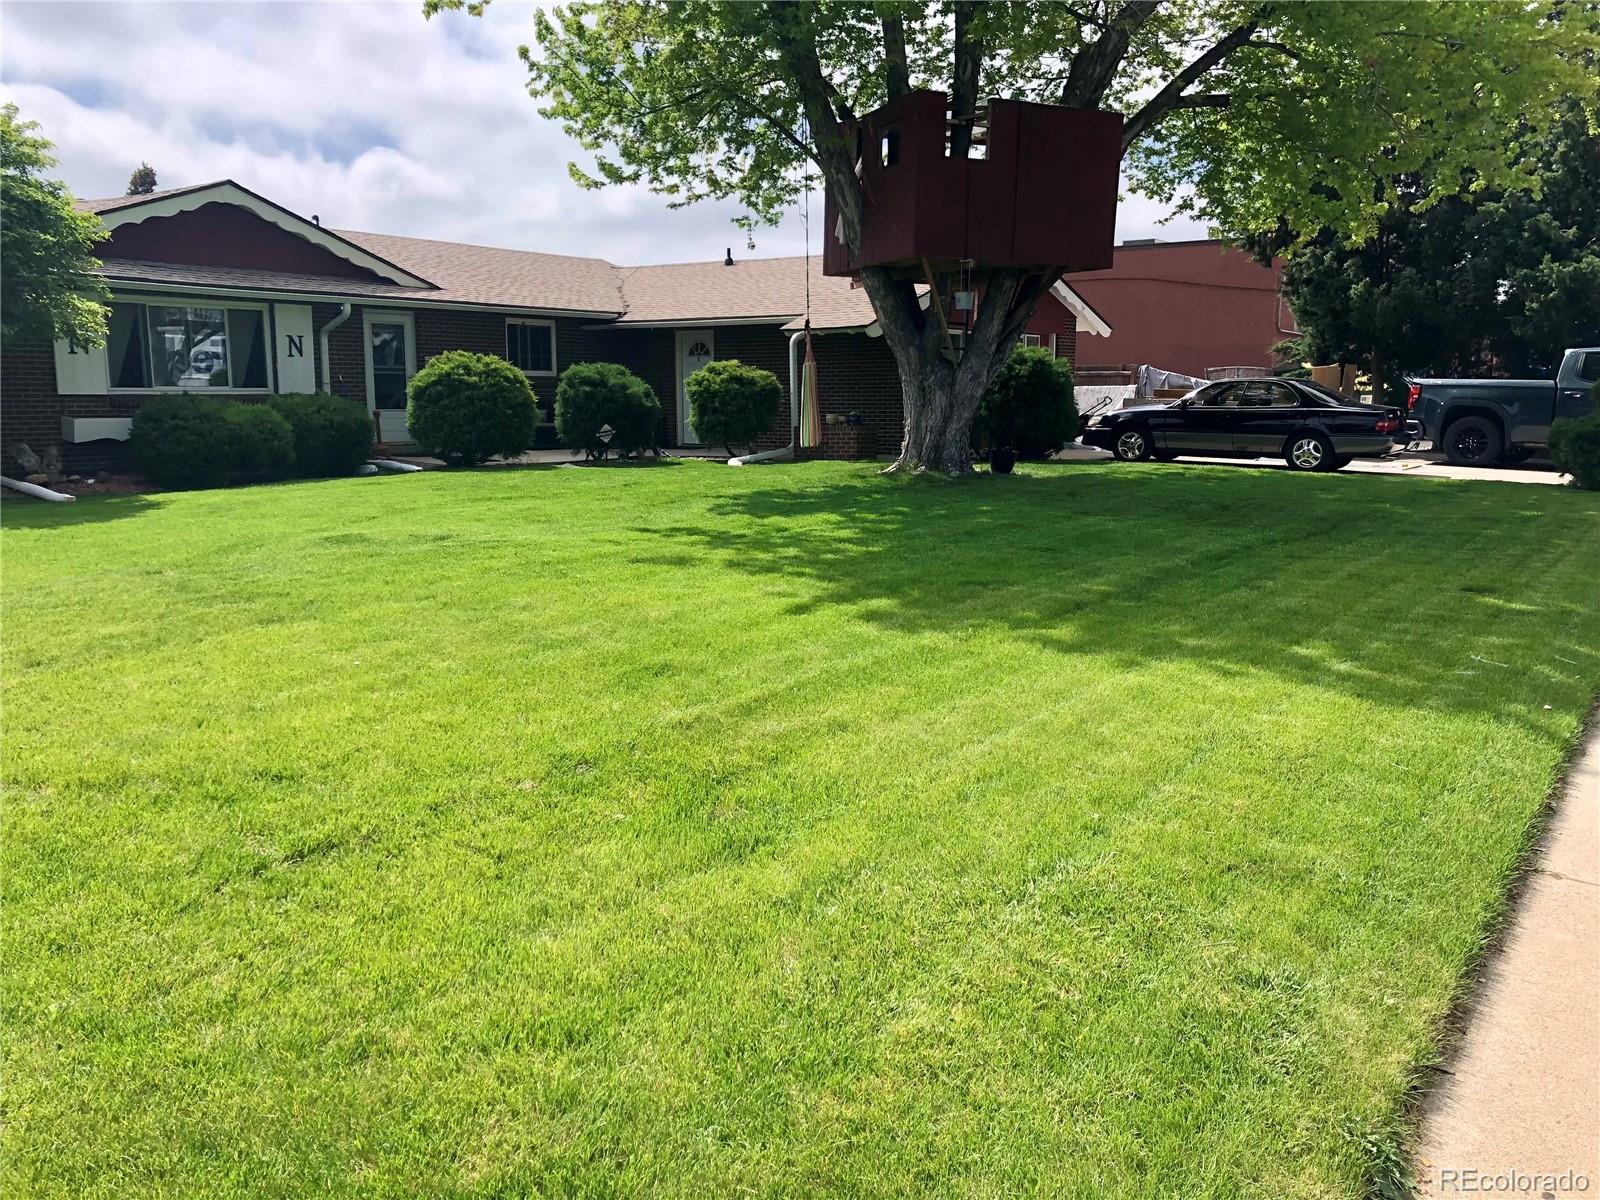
{"points": [[1187, 306], [217, 289]]}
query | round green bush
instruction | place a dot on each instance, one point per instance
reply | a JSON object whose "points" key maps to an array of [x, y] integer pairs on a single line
{"points": [[178, 441], [1029, 406], [731, 404], [1575, 447], [591, 396], [467, 407], [184, 441], [332, 435], [256, 441]]}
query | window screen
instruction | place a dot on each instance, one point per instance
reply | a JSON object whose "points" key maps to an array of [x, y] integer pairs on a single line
{"points": [[531, 347]]}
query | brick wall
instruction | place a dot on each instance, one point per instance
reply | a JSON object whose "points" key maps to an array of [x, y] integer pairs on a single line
{"points": [[853, 372]]}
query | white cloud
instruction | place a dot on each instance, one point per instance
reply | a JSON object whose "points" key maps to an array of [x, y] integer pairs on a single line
{"points": [[362, 113]]}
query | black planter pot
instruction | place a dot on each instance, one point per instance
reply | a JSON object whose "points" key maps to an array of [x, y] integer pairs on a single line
{"points": [[1002, 459]]}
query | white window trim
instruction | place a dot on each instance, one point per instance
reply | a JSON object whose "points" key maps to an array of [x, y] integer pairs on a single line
{"points": [[1032, 340], [144, 302], [551, 326]]}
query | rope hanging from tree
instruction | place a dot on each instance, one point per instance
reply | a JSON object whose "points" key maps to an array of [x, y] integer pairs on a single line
{"points": [[810, 406]]}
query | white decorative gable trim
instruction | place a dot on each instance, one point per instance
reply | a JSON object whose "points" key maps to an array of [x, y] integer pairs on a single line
{"points": [[1089, 321], [228, 192]]}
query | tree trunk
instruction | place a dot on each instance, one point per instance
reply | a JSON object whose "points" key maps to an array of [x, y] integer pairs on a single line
{"points": [[941, 396], [940, 409]]}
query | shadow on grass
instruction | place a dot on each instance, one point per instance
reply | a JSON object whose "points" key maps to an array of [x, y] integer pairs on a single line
{"points": [[19, 513], [1406, 592]]}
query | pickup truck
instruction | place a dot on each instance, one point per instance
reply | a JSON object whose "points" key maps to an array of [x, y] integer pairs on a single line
{"points": [[1478, 422]]}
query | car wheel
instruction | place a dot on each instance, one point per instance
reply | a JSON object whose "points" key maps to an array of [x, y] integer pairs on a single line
{"points": [[1309, 451], [1473, 442], [1133, 444]]}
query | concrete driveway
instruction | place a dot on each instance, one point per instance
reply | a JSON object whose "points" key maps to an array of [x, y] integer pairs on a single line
{"points": [[1412, 462]]}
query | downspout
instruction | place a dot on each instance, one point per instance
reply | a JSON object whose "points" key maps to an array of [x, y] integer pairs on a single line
{"points": [[34, 490], [794, 409], [327, 373]]}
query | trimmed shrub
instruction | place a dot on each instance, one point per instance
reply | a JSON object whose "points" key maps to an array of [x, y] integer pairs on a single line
{"points": [[1575, 446], [256, 441], [1029, 405], [467, 407], [179, 441], [332, 436], [204, 441], [591, 396], [732, 404]]}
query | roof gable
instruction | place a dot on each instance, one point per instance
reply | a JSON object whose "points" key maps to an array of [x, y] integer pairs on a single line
{"points": [[225, 225]]}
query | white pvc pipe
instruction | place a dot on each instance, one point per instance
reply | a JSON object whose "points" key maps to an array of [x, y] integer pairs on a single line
{"points": [[389, 464], [33, 489], [794, 410], [765, 456]]}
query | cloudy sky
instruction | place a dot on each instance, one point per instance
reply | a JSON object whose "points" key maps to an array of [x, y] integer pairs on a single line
{"points": [[362, 113]]}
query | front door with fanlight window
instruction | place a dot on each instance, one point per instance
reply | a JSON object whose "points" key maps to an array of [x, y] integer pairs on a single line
{"points": [[696, 347], [391, 339]]}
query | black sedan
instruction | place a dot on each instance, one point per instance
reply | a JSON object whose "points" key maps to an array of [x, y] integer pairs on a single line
{"points": [[1312, 428]]}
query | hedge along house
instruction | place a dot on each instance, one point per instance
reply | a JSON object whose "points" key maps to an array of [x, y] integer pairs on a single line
{"points": [[218, 290]]}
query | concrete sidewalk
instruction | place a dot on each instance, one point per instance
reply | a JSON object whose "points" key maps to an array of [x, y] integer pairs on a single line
{"points": [[1520, 1104]]}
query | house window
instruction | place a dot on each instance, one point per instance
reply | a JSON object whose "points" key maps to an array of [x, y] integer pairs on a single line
{"points": [[531, 346], [1030, 339], [186, 347]]}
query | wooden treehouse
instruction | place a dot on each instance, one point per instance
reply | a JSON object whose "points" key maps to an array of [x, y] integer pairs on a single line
{"points": [[1037, 188]]}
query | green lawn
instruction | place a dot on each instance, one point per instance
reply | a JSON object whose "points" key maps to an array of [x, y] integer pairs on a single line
{"points": [[1100, 831]]}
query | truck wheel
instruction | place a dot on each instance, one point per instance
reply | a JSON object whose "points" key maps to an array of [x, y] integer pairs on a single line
{"points": [[1473, 442]]}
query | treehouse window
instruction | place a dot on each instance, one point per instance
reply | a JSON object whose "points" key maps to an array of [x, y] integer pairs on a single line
{"points": [[889, 148]]}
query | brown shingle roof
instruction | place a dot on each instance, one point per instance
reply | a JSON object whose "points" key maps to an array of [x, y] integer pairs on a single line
{"points": [[750, 289], [491, 276], [112, 203]]}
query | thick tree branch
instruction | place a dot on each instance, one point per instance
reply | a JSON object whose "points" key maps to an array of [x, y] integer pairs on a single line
{"points": [[896, 74], [964, 81], [1032, 291], [797, 49], [1167, 98], [1095, 66]]}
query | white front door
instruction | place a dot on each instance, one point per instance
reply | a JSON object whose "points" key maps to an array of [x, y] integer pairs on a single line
{"points": [[696, 347], [391, 339]]}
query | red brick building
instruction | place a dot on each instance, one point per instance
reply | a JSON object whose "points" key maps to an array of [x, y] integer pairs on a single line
{"points": [[1187, 307], [216, 289]]}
